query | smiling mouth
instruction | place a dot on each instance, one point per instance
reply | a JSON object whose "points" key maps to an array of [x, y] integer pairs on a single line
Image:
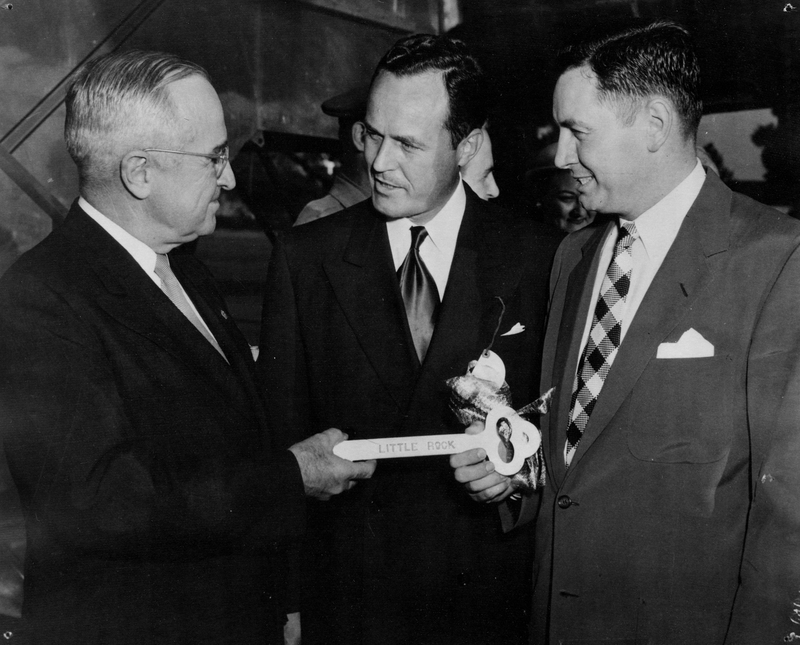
{"points": [[582, 180]]}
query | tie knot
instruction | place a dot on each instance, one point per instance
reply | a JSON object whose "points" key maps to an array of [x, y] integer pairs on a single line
{"points": [[418, 235], [627, 235], [162, 265]]}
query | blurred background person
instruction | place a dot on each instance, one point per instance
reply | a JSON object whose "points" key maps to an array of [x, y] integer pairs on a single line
{"points": [[553, 194], [351, 181], [478, 172]]}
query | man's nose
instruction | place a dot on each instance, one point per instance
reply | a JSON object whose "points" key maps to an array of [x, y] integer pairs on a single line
{"points": [[227, 180], [383, 157], [492, 190], [565, 152]]}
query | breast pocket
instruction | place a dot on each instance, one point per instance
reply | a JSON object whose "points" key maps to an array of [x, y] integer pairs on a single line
{"points": [[681, 432], [681, 411]]}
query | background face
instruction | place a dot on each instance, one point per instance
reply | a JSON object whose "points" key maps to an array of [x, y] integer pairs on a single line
{"points": [[412, 163], [562, 203], [186, 197], [605, 156]]}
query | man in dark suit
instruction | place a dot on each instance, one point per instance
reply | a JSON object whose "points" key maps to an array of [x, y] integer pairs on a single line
{"points": [[408, 558], [669, 515], [156, 504]]}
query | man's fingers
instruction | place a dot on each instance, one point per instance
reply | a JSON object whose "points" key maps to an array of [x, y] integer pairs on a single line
{"points": [[363, 469], [475, 428], [469, 475], [335, 435], [486, 482], [496, 493], [468, 458]]}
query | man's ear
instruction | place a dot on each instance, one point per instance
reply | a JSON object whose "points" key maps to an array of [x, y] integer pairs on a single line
{"points": [[357, 132], [137, 174], [661, 120], [469, 147]]}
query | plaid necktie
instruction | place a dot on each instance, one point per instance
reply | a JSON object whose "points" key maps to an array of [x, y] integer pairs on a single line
{"points": [[173, 290], [604, 337], [420, 294]]}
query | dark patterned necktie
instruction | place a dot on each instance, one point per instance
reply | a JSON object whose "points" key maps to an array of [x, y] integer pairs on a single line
{"points": [[419, 292], [172, 289], [604, 337]]}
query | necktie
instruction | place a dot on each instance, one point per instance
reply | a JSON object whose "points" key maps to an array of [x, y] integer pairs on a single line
{"points": [[419, 292], [604, 337], [172, 288]]}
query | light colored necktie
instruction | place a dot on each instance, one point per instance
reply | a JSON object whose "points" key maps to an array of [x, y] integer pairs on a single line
{"points": [[173, 290], [420, 295], [604, 337]]}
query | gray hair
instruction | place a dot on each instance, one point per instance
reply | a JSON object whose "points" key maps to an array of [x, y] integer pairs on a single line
{"points": [[118, 103]]}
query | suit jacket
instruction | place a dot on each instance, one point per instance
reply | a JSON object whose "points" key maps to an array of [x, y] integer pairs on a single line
{"points": [[154, 503], [641, 539], [405, 557]]}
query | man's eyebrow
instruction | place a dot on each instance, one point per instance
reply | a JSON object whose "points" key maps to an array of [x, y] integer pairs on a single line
{"points": [[402, 139], [221, 147], [571, 123], [369, 126], [411, 141]]}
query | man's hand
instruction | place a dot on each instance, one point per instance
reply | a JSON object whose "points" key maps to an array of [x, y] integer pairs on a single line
{"points": [[478, 475], [325, 474], [291, 630]]}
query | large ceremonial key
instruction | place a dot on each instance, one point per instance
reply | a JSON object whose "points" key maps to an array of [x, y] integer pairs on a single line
{"points": [[504, 427]]}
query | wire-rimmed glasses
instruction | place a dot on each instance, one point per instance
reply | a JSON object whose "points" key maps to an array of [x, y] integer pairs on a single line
{"points": [[219, 159]]}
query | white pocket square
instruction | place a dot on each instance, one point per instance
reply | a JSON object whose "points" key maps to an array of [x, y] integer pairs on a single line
{"points": [[516, 329], [690, 345]]}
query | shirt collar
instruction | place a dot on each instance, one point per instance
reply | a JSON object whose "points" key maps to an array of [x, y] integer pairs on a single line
{"points": [[658, 226], [442, 229], [143, 254]]}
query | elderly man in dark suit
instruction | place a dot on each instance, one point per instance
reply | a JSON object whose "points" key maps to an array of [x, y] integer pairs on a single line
{"points": [[367, 313], [156, 504], [669, 516]]}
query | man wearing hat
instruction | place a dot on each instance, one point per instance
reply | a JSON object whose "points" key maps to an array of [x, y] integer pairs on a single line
{"points": [[351, 183]]}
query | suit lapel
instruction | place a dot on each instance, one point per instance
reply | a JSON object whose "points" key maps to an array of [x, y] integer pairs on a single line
{"points": [[683, 276], [487, 265], [213, 309], [365, 284], [577, 304], [132, 299]]}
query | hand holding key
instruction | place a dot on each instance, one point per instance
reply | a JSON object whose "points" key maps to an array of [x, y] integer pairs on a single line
{"points": [[505, 433]]}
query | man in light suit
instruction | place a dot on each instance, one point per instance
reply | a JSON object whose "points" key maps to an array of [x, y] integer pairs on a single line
{"points": [[669, 516], [409, 558], [156, 504]]}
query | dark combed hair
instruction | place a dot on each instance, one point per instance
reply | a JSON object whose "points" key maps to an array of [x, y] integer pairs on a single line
{"points": [[658, 59], [463, 77]]}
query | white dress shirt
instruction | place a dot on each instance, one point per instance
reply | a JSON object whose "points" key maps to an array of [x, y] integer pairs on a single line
{"points": [[145, 256], [658, 227], [438, 248]]}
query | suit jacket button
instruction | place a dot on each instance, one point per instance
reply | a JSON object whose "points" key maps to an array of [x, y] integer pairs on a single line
{"points": [[564, 501], [463, 579]]}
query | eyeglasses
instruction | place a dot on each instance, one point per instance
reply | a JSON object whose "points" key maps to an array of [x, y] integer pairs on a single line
{"points": [[219, 159]]}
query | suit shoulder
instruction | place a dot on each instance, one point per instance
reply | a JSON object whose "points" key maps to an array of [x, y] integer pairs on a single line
{"points": [[753, 221], [326, 234], [53, 260]]}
